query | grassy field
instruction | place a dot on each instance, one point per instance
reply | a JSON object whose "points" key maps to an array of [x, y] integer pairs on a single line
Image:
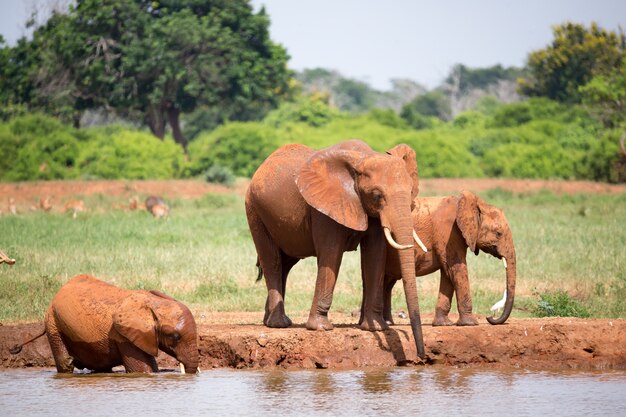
{"points": [[203, 254]]}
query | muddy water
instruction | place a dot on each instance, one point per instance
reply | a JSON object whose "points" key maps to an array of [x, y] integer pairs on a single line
{"points": [[375, 392]]}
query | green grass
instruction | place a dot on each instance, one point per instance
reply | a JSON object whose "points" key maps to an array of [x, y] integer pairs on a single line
{"points": [[203, 254]]}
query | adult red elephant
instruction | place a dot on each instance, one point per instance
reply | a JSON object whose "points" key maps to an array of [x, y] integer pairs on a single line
{"points": [[303, 202]]}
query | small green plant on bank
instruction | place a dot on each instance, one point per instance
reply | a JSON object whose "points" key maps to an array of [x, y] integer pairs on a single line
{"points": [[559, 304]]}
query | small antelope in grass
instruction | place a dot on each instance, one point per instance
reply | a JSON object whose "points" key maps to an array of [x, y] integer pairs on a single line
{"points": [[157, 207]]}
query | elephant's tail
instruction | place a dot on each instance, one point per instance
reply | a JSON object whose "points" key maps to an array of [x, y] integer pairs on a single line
{"points": [[258, 265], [18, 348]]}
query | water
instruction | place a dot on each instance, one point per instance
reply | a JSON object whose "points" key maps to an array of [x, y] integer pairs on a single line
{"points": [[372, 392]]}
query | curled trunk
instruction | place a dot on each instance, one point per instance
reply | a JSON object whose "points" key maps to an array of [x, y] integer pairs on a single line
{"points": [[510, 292]]}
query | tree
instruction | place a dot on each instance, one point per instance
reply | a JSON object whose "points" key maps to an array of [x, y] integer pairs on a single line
{"points": [[153, 60], [605, 95], [574, 57], [431, 104]]}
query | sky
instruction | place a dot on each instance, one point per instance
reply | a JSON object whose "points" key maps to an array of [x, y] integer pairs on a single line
{"points": [[375, 41]]}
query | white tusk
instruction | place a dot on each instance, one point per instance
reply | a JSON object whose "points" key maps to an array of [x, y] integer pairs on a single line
{"points": [[198, 371], [504, 262], [419, 241], [182, 368], [392, 242]]}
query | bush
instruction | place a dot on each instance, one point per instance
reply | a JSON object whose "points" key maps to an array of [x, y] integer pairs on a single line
{"points": [[306, 110], [442, 154], [559, 304], [119, 153], [519, 160], [239, 146], [219, 175], [38, 147]]}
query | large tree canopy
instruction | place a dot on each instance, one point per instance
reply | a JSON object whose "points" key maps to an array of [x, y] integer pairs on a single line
{"points": [[152, 60], [574, 57]]}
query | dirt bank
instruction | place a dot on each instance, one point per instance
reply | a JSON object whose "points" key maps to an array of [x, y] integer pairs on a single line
{"points": [[27, 194], [554, 343]]}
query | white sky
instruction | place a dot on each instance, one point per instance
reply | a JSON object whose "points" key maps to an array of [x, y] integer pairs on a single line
{"points": [[375, 41]]}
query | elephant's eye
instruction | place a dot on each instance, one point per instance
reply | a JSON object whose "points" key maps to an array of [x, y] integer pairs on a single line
{"points": [[377, 196], [498, 234], [176, 336]]}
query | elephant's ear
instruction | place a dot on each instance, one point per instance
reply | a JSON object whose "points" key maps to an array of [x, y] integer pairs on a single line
{"points": [[162, 295], [135, 321], [327, 183], [410, 163], [467, 218]]}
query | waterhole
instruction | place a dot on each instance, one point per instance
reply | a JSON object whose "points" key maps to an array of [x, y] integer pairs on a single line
{"points": [[369, 392]]}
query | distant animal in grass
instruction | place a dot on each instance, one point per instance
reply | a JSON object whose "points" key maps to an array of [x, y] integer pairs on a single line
{"points": [[12, 207], [75, 207], [157, 207], [45, 203], [4, 259]]}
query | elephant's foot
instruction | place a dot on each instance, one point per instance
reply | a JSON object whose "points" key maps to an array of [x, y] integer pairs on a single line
{"points": [[374, 323], [442, 321], [467, 321], [277, 319], [319, 322]]}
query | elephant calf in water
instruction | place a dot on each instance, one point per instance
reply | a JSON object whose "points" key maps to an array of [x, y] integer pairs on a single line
{"points": [[448, 226], [94, 325]]}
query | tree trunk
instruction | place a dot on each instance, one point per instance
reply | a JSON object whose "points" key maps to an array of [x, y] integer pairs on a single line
{"points": [[173, 114], [156, 121]]}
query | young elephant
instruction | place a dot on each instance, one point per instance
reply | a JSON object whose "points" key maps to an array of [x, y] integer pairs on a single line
{"points": [[94, 325], [448, 226]]}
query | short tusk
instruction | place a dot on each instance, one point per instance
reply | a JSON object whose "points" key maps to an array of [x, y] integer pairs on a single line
{"points": [[182, 368], [419, 241], [504, 262], [392, 242], [198, 371]]}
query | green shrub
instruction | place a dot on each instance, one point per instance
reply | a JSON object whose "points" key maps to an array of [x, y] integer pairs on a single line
{"points": [[304, 109], [519, 160], [119, 153], [219, 175], [442, 154], [559, 304], [239, 146], [38, 147], [387, 117], [515, 114]]}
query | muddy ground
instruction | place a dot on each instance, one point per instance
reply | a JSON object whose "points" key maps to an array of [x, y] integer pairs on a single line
{"points": [[239, 340]]}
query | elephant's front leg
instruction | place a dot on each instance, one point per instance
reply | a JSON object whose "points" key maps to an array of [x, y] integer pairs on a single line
{"points": [[329, 240], [136, 360], [373, 254], [460, 281], [62, 359]]}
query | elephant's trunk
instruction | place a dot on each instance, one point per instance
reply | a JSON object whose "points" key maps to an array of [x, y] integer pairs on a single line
{"points": [[510, 290], [402, 226]]}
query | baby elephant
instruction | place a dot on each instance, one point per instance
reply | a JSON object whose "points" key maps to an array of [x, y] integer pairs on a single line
{"points": [[94, 325], [448, 226]]}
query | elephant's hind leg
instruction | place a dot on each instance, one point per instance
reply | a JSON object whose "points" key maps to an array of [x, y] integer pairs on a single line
{"points": [[444, 301], [62, 359], [272, 266]]}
